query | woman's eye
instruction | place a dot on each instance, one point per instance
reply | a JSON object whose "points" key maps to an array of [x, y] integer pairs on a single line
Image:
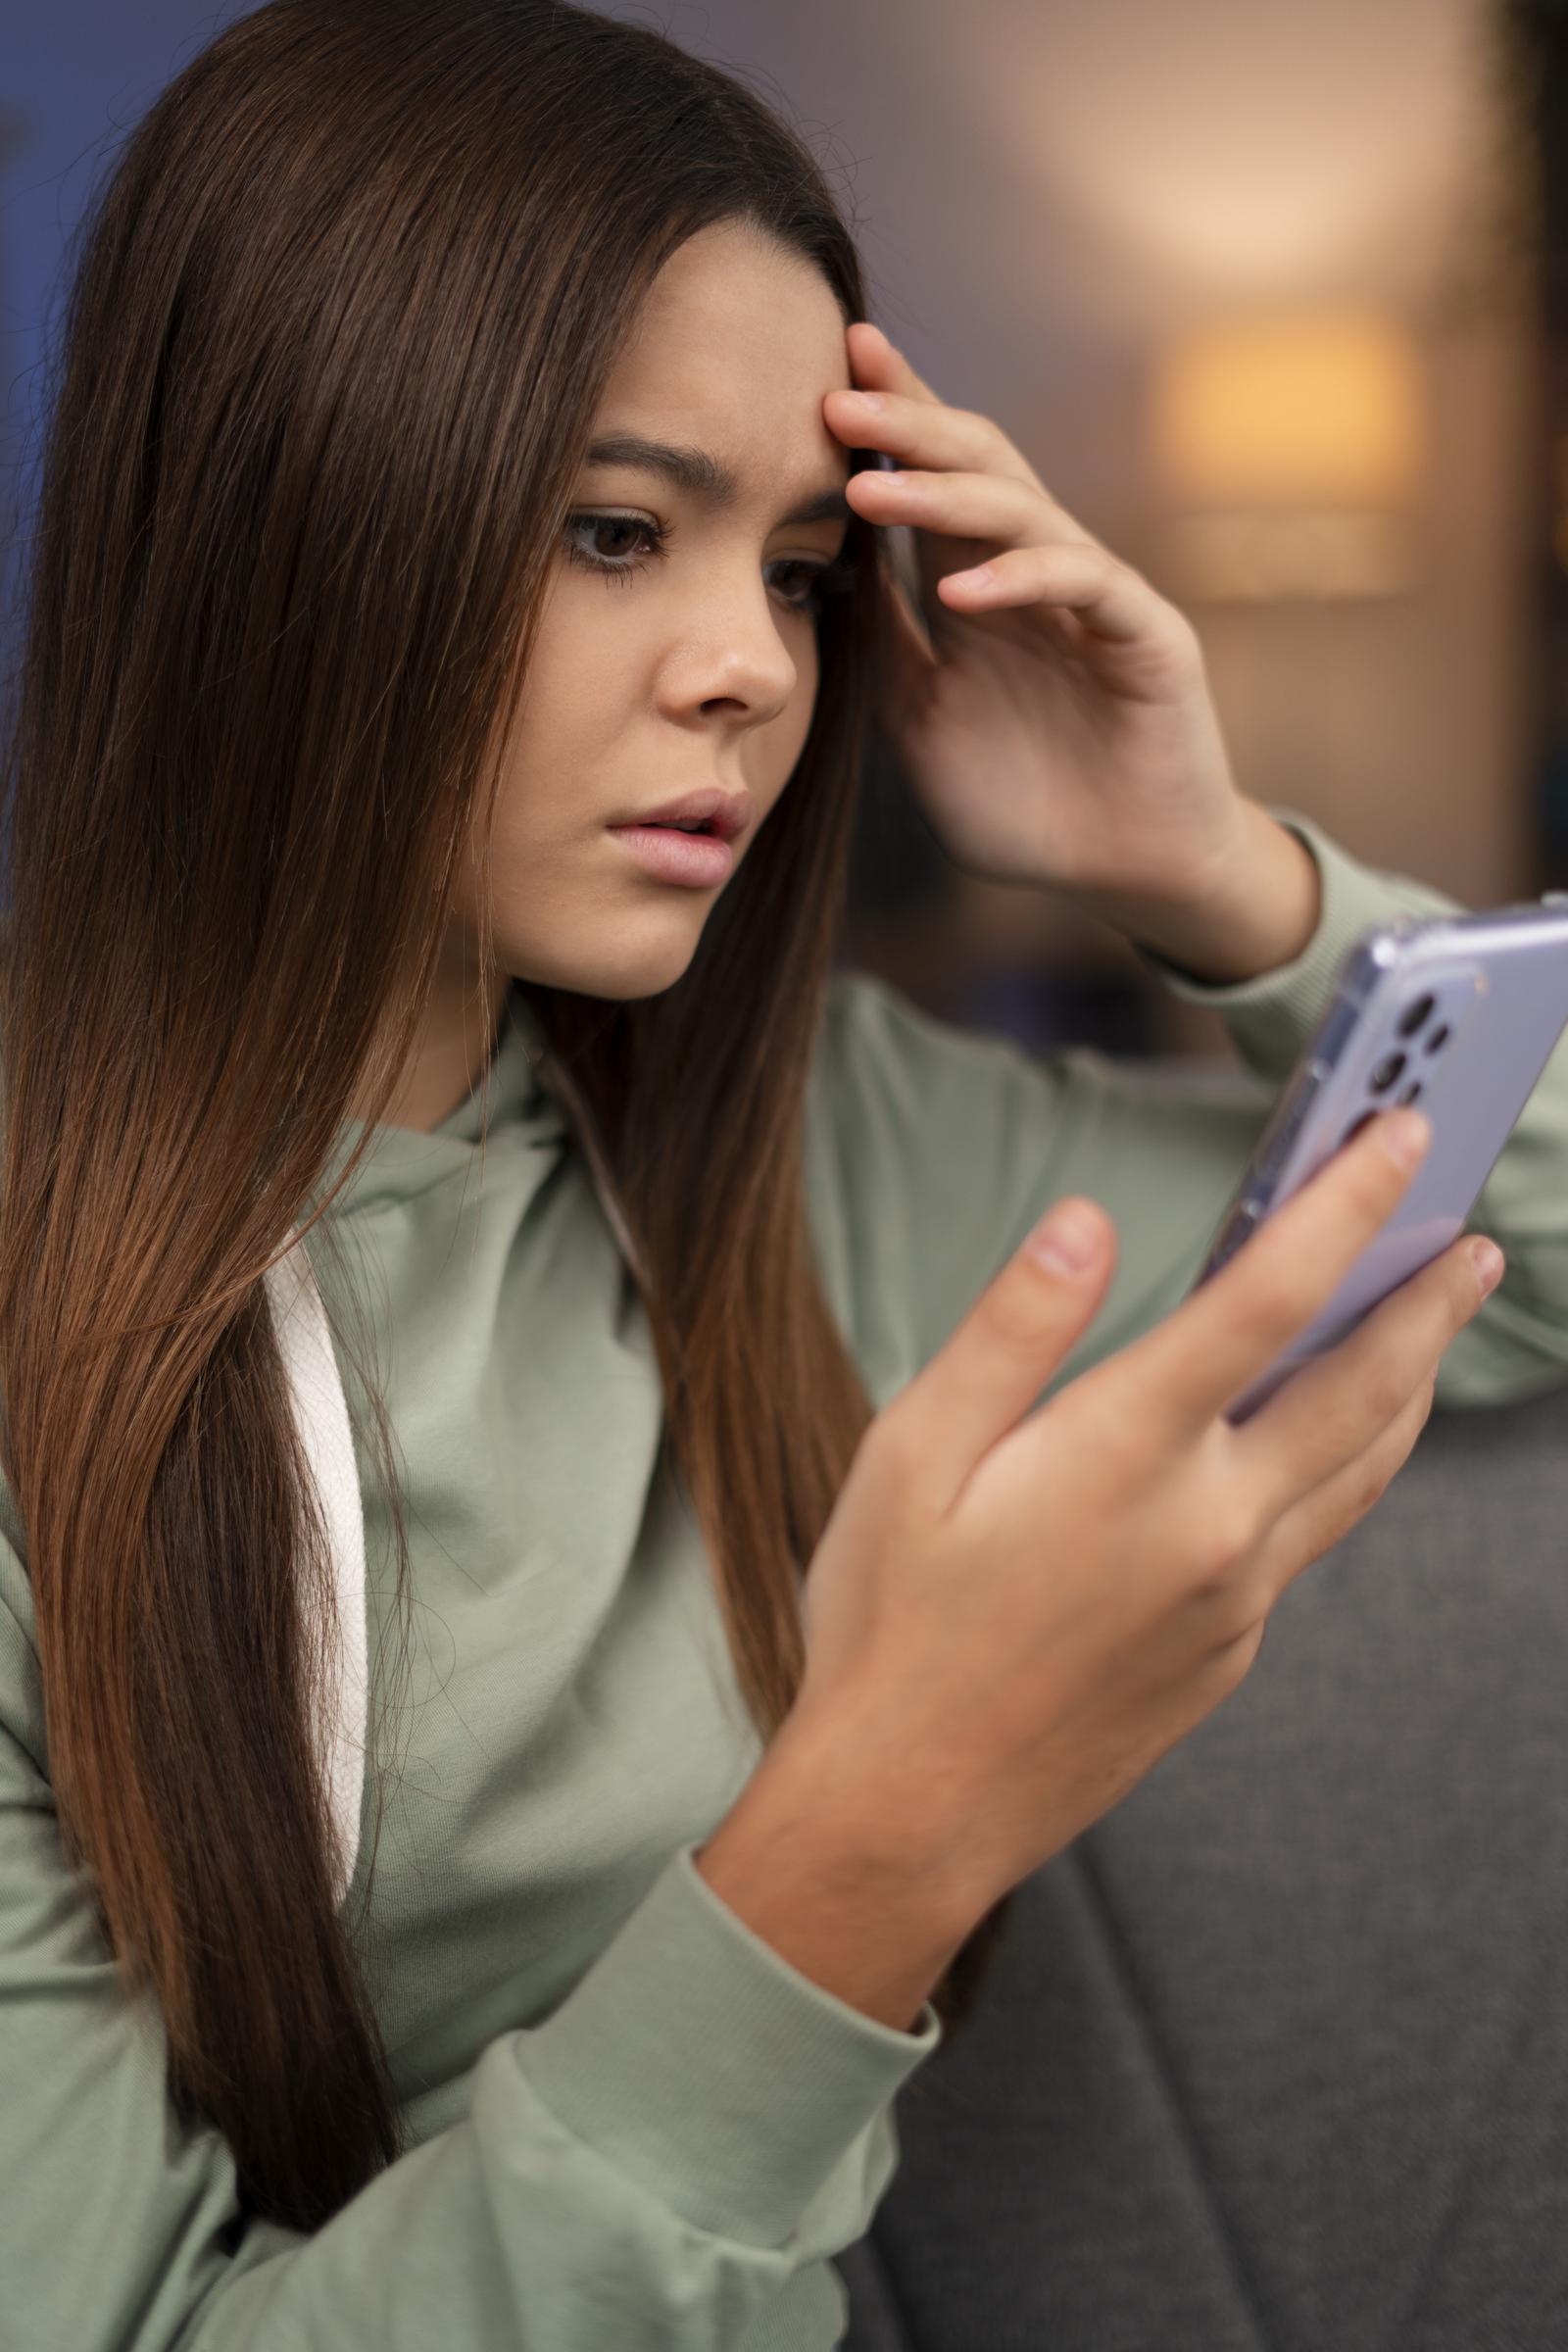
{"points": [[586, 533], [807, 580], [597, 526]]}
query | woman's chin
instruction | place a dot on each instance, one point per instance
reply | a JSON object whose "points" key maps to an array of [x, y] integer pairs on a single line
{"points": [[641, 960]]}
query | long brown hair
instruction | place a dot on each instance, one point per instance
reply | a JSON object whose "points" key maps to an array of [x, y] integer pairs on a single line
{"points": [[337, 327]]}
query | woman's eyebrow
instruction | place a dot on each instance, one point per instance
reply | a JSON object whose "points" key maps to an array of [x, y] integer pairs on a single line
{"points": [[706, 477]]}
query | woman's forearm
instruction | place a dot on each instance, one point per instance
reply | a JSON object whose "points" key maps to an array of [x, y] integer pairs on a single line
{"points": [[854, 1902]]}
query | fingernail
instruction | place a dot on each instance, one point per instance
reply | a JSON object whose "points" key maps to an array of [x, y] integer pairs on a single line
{"points": [[1404, 1134], [1066, 1240], [867, 400], [1488, 1262]]}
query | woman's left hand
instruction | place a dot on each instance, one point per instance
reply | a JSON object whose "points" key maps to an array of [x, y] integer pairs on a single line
{"points": [[1064, 733]]}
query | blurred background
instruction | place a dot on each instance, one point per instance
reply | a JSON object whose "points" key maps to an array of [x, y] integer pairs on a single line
{"points": [[1273, 298]]}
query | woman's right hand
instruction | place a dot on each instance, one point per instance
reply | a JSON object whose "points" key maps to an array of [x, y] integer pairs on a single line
{"points": [[1014, 1615]]}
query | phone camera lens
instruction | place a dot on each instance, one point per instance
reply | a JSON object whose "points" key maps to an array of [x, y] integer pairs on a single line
{"points": [[1411, 1091], [1357, 1125], [1439, 1037], [1414, 1014], [1387, 1071]]}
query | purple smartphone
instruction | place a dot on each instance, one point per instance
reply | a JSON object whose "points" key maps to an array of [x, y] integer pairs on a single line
{"points": [[1458, 1013]]}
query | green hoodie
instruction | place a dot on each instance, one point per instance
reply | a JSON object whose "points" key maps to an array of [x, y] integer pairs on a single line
{"points": [[630, 2124]]}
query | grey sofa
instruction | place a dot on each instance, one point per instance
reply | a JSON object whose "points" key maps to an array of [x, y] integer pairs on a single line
{"points": [[1274, 2058]]}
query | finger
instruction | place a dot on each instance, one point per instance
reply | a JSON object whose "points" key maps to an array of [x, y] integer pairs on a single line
{"points": [[1327, 1512], [1002, 1353], [876, 362], [985, 507], [1233, 1325], [910, 408], [1111, 601], [1322, 1415], [923, 432]]}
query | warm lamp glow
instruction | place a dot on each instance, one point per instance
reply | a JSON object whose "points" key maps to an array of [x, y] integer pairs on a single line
{"points": [[1305, 412], [1291, 451]]}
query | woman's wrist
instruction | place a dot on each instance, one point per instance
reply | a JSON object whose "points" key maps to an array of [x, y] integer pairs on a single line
{"points": [[1257, 915], [841, 1890]]}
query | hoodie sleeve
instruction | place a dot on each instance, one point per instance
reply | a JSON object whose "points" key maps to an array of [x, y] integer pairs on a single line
{"points": [[660, 2166], [937, 1148]]}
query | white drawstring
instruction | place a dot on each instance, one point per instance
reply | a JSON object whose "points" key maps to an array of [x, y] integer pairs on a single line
{"points": [[322, 1416]]}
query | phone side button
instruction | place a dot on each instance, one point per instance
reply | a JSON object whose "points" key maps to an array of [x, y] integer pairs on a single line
{"points": [[1309, 1088], [1242, 1221]]}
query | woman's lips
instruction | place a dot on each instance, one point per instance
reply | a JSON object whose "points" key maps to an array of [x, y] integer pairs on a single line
{"points": [[699, 860]]}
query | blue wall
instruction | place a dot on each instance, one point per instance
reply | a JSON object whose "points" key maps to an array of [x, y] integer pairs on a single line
{"points": [[74, 76]]}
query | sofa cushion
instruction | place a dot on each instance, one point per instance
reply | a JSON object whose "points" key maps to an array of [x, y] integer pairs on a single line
{"points": [[1276, 2054]]}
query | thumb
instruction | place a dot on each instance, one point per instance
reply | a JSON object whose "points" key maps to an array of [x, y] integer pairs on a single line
{"points": [[988, 1374]]}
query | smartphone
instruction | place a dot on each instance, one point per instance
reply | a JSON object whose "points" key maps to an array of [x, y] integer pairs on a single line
{"points": [[1456, 1013]]}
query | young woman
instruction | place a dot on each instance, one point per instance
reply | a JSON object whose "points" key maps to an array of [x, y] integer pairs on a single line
{"points": [[458, 458]]}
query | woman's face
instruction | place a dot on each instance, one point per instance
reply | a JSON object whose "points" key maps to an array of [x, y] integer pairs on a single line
{"points": [[656, 674]]}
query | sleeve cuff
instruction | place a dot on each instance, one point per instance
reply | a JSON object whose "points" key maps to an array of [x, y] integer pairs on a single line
{"points": [[1271, 1015], [695, 2057]]}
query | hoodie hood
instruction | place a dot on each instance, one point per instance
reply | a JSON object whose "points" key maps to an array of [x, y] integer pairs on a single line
{"points": [[541, 1108]]}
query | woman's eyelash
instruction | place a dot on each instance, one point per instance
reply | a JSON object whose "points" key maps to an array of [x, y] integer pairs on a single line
{"points": [[823, 579]]}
